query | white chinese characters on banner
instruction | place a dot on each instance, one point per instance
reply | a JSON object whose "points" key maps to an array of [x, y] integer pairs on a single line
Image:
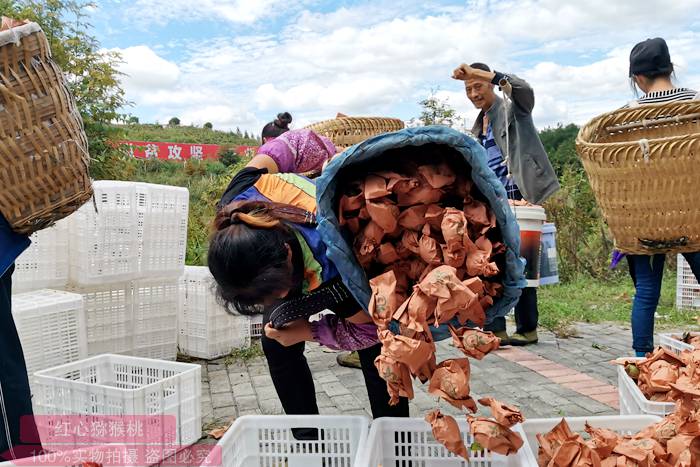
{"points": [[196, 152], [151, 151], [174, 153]]}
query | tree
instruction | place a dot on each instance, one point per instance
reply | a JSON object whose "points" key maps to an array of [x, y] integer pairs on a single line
{"points": [[208, 126], [133, 120], [228, 157], [174, 121], [90, 71], [436, 111], [246, 135]]}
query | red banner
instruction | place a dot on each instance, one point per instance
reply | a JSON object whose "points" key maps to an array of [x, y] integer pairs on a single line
{"points": [[181, 151]]}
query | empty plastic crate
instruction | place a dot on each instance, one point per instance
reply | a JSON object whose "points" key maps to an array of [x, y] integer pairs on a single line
{"points": [[674, 345], [632, 400], [268, 440], [622, 424], [155, 304], [45, 263], [120, 385], [103, 236], [109, 318], [161, 215], [51, 327], [207, 330], [409, 441], [687, 287]]}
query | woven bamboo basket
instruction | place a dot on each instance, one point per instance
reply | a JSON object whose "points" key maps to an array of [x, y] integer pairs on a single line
{"points": [[644, 165], [43, 147], [346, 131]]}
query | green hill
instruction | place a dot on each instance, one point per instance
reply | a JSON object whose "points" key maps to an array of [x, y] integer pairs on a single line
{"points": [[183, 134]]}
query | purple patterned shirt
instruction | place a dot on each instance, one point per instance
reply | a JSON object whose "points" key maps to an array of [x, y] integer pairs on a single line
{"points": [[299, 151]]}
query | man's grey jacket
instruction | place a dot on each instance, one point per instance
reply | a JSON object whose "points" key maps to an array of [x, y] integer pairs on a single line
{"points": [[529, 163]]}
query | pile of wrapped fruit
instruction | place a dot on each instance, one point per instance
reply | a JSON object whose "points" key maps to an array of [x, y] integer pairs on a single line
{"points": [[690, 338], [664, 376], [431, 248], [672, 442]]}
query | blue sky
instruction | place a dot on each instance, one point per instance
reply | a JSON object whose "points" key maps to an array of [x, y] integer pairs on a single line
{"points": [[238, 63]]}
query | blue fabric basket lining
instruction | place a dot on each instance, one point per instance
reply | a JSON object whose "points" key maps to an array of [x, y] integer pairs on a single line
{"points": [[353, 159]]}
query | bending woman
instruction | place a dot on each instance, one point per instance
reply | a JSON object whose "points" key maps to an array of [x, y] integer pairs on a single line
{"points": [[266, 253], [650, 71]]}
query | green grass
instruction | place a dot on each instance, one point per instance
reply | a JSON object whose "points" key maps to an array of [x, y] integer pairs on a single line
{"points": [[241, 355], [594, 301]]}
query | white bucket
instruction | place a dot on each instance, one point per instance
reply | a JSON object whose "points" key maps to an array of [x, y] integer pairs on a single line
{"points": [[549, 270], [530, 220]]}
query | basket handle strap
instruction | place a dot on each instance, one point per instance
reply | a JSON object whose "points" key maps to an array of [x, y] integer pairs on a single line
{"points": [[663, 244]]}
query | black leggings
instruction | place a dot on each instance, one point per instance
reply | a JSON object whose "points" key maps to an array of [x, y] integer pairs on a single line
{"points": [[295, 386], [526, 314]]}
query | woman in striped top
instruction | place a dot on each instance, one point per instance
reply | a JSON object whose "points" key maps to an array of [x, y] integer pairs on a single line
{"points": [[651, 71]]}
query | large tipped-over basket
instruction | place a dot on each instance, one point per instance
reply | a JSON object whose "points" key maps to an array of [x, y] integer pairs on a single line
{"points": [[43, 147], [644, 165], [346, 131]]}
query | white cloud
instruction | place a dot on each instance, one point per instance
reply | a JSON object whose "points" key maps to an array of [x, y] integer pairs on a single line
{"points": [[235, 11], [144, 70]]}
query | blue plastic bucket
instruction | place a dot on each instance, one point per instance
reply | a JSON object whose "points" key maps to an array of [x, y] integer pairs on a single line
{"points": [[549, 270]]}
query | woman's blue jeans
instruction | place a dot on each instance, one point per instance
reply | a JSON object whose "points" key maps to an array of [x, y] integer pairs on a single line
{"points": [[647, 273]]}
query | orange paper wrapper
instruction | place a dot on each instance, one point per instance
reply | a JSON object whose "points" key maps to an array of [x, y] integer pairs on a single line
{"points": [[452, 295], [640, 450], [473, 342], [450, 381], [387, 254], [494, 436], [413, 314], [397, 377], [454, 228], [434, 215], [383, 302], [375, 187], [423, 194], [370, 238], [479, 216], [410, 241], [413, 218], [428, 248], [447, 432], [504, 414], [437, 175], [549, 443], [384, 213], [602, 440], [454, 257], [413, 353]]}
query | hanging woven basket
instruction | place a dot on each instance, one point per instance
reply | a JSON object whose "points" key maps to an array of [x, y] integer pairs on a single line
{"points": [[644, 165], [43, 147]]}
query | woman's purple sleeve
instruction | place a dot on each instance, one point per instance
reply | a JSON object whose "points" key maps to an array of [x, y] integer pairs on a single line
{"points": [[279, 151], [339, 334]]}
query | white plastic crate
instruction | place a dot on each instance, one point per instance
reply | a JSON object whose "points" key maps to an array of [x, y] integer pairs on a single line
{"points": [[687, 287], [632, 400], [120, 385], [161, 216], [409, 441], [155, 304], [256, 325], [268, 440], [206, 329], [45, 263], [51, 327], [104, 243], [673, 345], [109, 318], [622, 424]]}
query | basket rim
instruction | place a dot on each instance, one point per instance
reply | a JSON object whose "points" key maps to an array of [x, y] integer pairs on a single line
{"points": [[16, 34], [580, 140]]}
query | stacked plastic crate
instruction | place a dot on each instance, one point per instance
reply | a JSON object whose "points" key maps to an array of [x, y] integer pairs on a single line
{"points": [[124, 254], [206, 329], [687, 287]]}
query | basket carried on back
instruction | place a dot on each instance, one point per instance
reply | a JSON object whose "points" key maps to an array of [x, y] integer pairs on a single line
{"points": [[346, 131], [644, 165], [43, 147]]}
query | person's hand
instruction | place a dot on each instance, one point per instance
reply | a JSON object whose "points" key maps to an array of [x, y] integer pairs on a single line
{"points": [[462, 72], [291, 333]]}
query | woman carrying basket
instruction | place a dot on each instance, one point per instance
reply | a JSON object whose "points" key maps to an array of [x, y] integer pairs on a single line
{"points": [[651, 71], [266, 253]]}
